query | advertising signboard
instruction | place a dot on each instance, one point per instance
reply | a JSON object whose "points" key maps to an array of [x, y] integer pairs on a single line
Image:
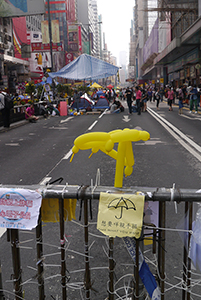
{"points": [[72, 37], [19, 8]]}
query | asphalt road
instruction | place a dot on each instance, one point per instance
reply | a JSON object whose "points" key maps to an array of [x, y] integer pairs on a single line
{"points": [[38, 152]]}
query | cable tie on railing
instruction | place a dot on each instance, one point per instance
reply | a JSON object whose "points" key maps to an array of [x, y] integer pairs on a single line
{"points": [[172, 191], [63, 191]]}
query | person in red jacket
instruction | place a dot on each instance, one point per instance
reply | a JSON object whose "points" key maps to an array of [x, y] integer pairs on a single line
{"points": [[138, 99], [29, 114], [170, 98]]}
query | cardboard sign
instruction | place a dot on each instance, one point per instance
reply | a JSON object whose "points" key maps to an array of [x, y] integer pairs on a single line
{"points": [[120, 214]]}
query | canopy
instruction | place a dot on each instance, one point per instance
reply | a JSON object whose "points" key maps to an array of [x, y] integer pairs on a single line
{"points": [[96, 85], [110, 86], [86, 67]]}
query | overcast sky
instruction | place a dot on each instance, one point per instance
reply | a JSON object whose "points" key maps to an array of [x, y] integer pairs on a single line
{"points": [[116, 16]]}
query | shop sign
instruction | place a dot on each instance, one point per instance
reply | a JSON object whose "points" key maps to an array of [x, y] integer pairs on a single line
{"points": [[38, 47], [182, 74], [153, 81], [192, 57], [188, 72], [161, 80]]}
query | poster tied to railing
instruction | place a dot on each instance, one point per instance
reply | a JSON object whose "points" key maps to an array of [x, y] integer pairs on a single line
{"points": [[19, 208]]}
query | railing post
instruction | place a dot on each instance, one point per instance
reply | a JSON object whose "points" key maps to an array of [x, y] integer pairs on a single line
{"points": [[86, 241], [161, 247], [188, 259], [40, 258], [185, 255], [62, 245], [16, 263], [111, 269]]}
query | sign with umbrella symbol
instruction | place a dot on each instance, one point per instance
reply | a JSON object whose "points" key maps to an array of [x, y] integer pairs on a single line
{"points": [[121, 204]]}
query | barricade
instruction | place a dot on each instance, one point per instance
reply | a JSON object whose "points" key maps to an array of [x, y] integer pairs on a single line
{"points": [[86, 195]]}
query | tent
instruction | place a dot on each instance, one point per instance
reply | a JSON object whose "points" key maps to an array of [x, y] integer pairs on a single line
{"points": [[86, 67], [84, 102], [96, 86], [102, 103], [110, 86]]}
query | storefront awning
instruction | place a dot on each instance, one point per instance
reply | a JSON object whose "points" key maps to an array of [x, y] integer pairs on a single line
{"points": [[14, 60]]}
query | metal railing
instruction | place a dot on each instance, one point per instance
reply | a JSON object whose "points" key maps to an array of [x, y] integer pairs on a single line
{"points": [[84, 194]]}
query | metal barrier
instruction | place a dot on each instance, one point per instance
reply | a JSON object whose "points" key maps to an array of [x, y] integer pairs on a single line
{"points": [[84, 194]]}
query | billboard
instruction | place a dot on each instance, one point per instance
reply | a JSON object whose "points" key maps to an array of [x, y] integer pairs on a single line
{"points": [[18, 8], [73, 37]]}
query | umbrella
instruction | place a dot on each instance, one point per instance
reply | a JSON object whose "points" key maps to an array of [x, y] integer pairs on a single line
{"points": [[96, 85], [86, 67], [121, 203], [110, 86]]}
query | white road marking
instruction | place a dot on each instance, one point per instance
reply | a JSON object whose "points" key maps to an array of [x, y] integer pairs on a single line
{"points": [[105, 111], [68, 154], [45, 180], [13, 144], [66, 120], [90, 128], [178, 135], [126, 119], [58, 128]]}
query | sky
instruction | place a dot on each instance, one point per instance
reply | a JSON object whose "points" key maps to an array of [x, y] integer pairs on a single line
{"points": [[116, 18]]}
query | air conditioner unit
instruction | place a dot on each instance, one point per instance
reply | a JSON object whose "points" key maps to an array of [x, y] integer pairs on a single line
{"points": [[6, 46], [1, 45]]}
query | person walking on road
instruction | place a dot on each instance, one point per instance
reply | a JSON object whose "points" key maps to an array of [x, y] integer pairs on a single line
{"points": [[181, 98], [170, 98], [129, 95], [158, 98], [193, 99], [138, 100]]}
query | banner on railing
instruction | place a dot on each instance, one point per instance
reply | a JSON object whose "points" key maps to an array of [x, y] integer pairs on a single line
{"points": [[19, 208]]}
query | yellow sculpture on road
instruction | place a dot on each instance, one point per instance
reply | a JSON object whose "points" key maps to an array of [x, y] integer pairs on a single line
{"points": [[105, 142]]}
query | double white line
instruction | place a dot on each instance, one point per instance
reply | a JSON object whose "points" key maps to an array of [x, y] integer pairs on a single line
{"points": [[186, 142]]}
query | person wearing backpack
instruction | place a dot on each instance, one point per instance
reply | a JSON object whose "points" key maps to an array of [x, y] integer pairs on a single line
{"points": [[6, 105]]}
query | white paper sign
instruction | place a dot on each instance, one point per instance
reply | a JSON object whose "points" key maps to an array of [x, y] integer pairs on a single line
{"points": [[19, 208]]}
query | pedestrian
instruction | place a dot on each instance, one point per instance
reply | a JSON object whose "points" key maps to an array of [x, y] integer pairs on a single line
{"points": [[30, 114], [129, 95], [170, 98], [76, 100], [138, 99], [5, 105], [149, 94], [181, 99], [144, 100], [193, 99], [158, 98]]}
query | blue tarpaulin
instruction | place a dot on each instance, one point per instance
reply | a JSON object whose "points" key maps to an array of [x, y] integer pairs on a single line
{"points": [[86, 67]]}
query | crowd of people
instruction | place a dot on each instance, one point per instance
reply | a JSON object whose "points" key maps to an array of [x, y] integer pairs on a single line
{"points": [[136, 97]]}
